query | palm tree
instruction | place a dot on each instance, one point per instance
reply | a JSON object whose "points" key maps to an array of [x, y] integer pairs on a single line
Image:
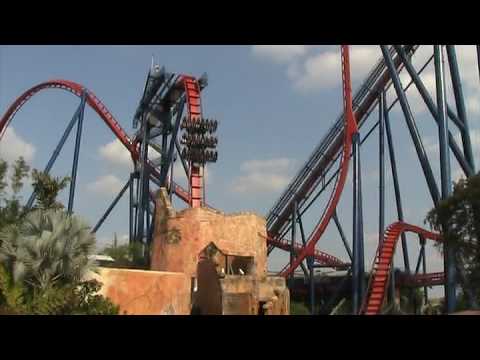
{"points": [[47, 189], [48, 248]]}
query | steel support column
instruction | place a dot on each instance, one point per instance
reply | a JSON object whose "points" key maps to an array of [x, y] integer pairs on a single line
{"points": [[381, 185], [184, 163], [342, 235], [292, 243], [422, 155], [424, 268], [310, 263], [459, 100], [381, 160], [131, 219], [57, 150], [361, 239], [465, 164], [112, 205], [445, 173], [76, 153], [396, 185], [357, 247], [478, 59], [171, 146], [142, 181]]}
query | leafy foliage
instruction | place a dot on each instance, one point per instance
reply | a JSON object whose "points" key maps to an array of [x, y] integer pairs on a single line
{"points": [[44, 252], [11, 210], [47, 189], [127, 256], [45, 186], [72, 299], [298, 308], [458, 219], [20, 171], [47, 248], [43, 262]]}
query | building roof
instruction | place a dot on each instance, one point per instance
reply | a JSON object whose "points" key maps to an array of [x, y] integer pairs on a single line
{"points": [[101, 258]]}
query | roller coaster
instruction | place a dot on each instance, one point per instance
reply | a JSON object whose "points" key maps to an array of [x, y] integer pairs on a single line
{"points": [[171, 103]]}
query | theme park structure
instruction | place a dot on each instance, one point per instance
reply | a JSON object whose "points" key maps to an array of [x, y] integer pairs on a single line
{"points": [[170, 115]]}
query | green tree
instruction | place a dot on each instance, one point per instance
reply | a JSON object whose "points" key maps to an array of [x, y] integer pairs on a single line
{"points": [[126, 256], [298, 308], [20, 172], [11, 210], [47, 189], [43, 264], [458, 220], [47, 248], [3, 175]]}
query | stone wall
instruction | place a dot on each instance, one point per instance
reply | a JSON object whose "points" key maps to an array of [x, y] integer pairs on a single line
{"points": [[181, 236], [140, 292]]}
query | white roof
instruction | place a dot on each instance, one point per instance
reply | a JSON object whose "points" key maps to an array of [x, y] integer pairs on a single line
{"points": [[101, 258]]}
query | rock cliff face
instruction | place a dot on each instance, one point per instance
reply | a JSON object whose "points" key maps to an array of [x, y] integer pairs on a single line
{"points": [[224, 255]]}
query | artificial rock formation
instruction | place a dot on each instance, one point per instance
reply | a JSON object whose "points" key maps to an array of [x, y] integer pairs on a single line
{"points": [[140, 292], [225, 256]]}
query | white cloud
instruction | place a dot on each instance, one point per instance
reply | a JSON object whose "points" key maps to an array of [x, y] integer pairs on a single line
{"points": [[473, 105], [106, 185], [371, 239], [468, 66], [12, 146], [430, 145], [263, 176], [271, 165], [279, 53], [311, 70], [115, 153], [323, 70], [260, 182]]}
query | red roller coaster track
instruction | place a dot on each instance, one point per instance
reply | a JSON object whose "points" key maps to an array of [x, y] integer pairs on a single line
{"points": [[382, 266], [320, 256], [192, 92], [350, 126], [194, 110]]}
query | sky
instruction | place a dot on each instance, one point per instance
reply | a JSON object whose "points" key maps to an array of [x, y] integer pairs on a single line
{"points": [[274, 103]]}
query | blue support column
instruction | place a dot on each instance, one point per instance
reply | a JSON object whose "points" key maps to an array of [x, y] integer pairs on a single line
{"points": [[445, 173], [356, 225], [361, 270], [465, 164], [396, 186], [171, 147], [142, 184], [381, 200], [478, 59], [135, 204], [131, 218], [342, 236], [292, 244], [76, 153], [422, 155], [310, 264], [381, 160], [171, 177], [57, 150], [184, 163], [424, 266], [112, 205], [459, 100]]}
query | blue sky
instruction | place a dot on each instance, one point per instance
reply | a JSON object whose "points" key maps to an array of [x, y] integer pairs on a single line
{"points": [[273, 103]]}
